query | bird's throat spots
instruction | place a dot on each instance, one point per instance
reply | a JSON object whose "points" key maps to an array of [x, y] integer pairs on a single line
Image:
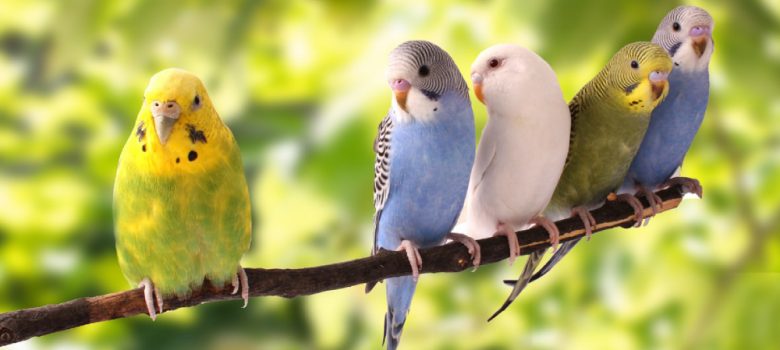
{"points": [[178, 160], [143, 147], [192, 156], [195, 135], [140, 131]]}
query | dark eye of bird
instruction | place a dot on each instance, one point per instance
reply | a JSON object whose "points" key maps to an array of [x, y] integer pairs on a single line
{"points": [[196, 101], [493, 63], [676, 26], [634, 64], [423, 71]]}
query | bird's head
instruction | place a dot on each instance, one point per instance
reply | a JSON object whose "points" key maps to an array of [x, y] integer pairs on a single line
{"points": [[686, 34], [174, 101], [419, 74], [506, 77], [638, 73]]}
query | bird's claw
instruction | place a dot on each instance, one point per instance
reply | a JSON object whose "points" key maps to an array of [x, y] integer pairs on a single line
{"points": [[413, 254], [551, 229], [473, 247], [241, 282], [689, 185], [587, 220], [151, 293], [511, 236], [635, 204]]}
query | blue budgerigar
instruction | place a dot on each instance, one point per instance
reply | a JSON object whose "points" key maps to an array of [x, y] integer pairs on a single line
{"points": [[424, 152], [686, 34]]}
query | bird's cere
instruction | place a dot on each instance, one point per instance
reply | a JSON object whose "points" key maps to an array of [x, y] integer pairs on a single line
{"points": [[165, 115]]}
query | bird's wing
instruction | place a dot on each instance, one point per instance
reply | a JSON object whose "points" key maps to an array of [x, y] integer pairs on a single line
{"points": [[486, 153], [381, 171], [575, 106]]}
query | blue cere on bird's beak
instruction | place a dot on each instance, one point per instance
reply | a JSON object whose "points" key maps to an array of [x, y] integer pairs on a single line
{"points": [[400, 89], [165, 115]]}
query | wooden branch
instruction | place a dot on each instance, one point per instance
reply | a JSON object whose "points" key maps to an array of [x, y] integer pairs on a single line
{"points": [[16, 326]]}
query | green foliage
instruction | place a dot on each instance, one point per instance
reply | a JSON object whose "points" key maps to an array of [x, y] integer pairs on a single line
{"points": [[302, 86]]}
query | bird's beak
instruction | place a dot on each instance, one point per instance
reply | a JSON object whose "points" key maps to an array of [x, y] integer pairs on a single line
{"points": [[400, 89], [700, 35], [165, 115], [658, 82], [476, 80]]}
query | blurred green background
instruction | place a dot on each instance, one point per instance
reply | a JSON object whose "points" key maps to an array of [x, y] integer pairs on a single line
{"points": [[302, 86]]}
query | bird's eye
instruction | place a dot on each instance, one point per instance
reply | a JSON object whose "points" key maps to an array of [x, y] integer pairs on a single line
{"points": [[634, 64], [676, 26], [196, 101], [423, 71], [493, 63]]}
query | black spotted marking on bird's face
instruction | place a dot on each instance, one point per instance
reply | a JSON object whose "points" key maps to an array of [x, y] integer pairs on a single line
{"points": [[674, 48], [143, 147], [195, 134], [431, 95], [635, 102], [192, 156], [630, 88], [178, 160], [140, 131]]}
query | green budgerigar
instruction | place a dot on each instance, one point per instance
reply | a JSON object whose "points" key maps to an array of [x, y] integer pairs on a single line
{"points": [[610, 116], [181, 203]]}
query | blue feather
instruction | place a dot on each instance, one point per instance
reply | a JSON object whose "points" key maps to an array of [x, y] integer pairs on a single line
{"points": [[673, 125], [430, 165]]}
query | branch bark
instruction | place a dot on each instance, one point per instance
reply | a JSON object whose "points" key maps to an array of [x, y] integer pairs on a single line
{"points": [[16, 326]]}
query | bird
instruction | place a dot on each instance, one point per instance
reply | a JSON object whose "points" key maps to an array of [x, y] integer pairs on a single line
{"points": [[610, 116], [424, 149], [181, 203], [522, 149], [686, 34]]}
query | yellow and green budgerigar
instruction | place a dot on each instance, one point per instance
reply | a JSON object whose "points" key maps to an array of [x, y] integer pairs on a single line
{"points": [[181, 203]]}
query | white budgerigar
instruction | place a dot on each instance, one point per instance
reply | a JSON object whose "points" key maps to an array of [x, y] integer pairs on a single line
{"points": [[522, 150]]}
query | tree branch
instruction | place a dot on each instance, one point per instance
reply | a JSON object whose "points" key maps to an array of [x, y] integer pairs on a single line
{"points": [[23, 324]]}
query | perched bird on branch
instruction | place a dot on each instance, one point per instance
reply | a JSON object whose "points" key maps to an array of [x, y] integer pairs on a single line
{"points": [[686, 34], [610, 115], [522, 149], [424, 152], [181, 203]]}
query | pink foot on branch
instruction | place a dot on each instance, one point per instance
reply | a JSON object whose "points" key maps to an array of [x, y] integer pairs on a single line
{"points": [[552, 230], [415, 260], [473, 247], [511, 236], [587, 220]]}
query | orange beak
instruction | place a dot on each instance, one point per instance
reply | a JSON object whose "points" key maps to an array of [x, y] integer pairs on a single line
{"points": [[400, 98], [478, 92]]}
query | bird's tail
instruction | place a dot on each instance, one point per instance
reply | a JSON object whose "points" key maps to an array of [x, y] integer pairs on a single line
{"points": [[530, 266], [564, 249], [399, 297]]}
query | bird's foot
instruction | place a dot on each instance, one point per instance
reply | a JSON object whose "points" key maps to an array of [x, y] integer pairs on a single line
{"points": [[151, 293], [552, 230], [415, 260], [587, 220], [514, 245], [656, 203], [241, 282], [633, 202], [473, 247], [689, 185]]}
